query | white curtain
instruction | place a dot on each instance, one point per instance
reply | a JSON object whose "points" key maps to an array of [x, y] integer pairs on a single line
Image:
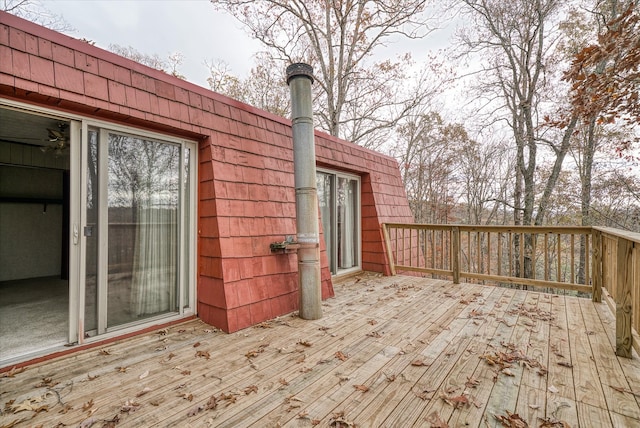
{"points": [[347, 223], [155, 261]]}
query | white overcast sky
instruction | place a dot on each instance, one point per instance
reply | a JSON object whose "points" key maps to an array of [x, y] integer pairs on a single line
{"points": [[192, 27]]}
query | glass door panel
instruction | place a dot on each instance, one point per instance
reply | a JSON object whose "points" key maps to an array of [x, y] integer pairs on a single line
{"points": [[91, 235], [143, 201]]}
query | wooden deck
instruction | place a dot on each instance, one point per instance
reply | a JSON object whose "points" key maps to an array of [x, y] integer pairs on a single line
{"points": [[390, 352]]}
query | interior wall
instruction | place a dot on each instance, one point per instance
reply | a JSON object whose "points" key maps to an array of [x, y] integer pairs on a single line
{"points": [[30, 236]]}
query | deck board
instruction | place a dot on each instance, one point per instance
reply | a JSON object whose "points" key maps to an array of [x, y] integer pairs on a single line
{"points": [[296, 373]]}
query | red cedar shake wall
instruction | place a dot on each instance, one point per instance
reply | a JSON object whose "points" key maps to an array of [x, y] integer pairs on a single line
{"points": [[246, 184]]}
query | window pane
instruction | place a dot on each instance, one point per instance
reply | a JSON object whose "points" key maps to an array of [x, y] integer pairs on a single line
{"points": [[347, 223], [325, 198], [143, 205], [91, 233]]}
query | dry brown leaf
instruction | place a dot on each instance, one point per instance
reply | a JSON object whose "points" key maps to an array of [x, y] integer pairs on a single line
{"points": [[471, 382], [362, 388], [457, 401], [203, 354], [303, 415], [195, 345], [104, 352], [249, 389], [87, 423], [283, 381], [89, 377], [212, 403], [195, 410], [187, 396], [315, 422], [185, 372], [374, 334], [14, 371], [565, 364], [342, 357], [507, 372], [47, 382], [305, 343], [111, 423], [418, 363], [552, 423], [144, 391], [435, 421], [67, 407], [86, 406], [122, 369], [130, 406], [372, 322], [512, 420]]}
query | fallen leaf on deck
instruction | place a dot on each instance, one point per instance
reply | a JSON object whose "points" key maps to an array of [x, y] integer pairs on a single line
{"points": [[418, 363], [249, 389], [372, 322], [507, 372], [195, 410], [435, 421], [565, 364], [315, 422], [362, 388], [130, 406], [122, 369], [212, 403], [337, 420], [67, 407], [305, 343], [111, 423], [390, 378], [552, 389], [342, 357], [374, 334], [89, 377], [283, 381], [185, 372], [146, 390], [552, 423], [187, 396], [104, 352], [87, 405], [14, 371], [203, 354], [512, 420], [47, 382], [471, 382], [195, 345], [143, 375], [87, 423], [457, 401]]}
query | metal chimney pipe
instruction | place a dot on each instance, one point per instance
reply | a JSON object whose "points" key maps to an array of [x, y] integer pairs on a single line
{"points": [[299, 79]]}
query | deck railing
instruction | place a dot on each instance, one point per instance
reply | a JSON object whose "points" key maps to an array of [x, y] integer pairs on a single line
{"points": [[584, 260]]}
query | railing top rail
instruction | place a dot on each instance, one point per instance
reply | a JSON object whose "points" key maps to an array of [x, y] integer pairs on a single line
{"points": [[496, 228], [631, 236]]}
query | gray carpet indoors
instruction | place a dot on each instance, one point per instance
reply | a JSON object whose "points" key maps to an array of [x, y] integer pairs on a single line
{"points": [[33, 315]]}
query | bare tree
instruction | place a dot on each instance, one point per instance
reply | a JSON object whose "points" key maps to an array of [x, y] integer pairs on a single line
{"points": [[169, 65], [358, 98], [35, 11], [262, 88]]}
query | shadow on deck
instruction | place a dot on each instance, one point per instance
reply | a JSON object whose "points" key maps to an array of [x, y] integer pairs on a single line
{"points": [[390, 351]]}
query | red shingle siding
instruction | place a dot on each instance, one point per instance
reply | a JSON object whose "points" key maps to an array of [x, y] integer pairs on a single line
{"points": [[246, 184]]}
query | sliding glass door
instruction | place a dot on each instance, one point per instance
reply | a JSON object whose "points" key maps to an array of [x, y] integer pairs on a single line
{"points": [[138, 238], [339, 200]]}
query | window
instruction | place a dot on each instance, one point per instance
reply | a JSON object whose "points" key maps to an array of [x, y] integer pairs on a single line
{"points": [[339, 200]]}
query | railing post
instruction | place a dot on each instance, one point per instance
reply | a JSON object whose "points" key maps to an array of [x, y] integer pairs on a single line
{"points": [[596, 263], [387, 242], [455, 254], [624, 338]]}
